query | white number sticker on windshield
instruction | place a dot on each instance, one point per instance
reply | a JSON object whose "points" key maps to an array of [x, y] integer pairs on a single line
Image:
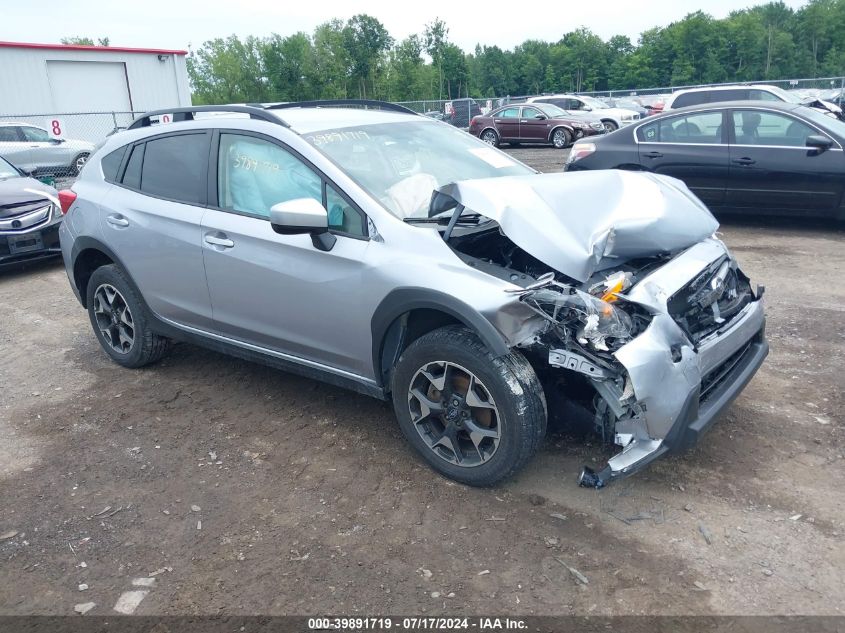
{"points": [[492, 157]]}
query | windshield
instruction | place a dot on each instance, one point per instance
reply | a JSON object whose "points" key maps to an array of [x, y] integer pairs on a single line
{"points": [[596, 104], [7, 171], [551, 110], [401, 164], [789, 97]]}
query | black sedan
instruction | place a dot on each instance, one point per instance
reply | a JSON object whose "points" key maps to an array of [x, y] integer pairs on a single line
{"points": [[739, 157], [29, 217]]}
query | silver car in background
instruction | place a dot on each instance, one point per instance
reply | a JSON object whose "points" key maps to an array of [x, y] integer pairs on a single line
{"points": [[31, 149], [397, 256]]}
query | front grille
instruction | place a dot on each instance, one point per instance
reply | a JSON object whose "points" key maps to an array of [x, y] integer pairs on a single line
{"points": [[692, 307], [717, 375], [24, 217]]}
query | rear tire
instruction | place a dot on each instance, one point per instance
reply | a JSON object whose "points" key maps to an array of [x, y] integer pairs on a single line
{"points": [[120, 321], [490, 137], [492, 408], [78, 162]]}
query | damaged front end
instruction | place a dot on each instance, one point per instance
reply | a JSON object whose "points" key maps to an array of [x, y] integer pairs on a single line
{"points": [[663, 356], [649, 322]]}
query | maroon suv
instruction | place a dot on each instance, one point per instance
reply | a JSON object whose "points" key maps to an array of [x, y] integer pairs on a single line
{"points": [[532, 123]]}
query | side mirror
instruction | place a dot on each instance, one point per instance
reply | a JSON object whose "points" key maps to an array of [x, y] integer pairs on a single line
{"points": [[303, 215], [819, 142], [540, 117], [57, 141]]}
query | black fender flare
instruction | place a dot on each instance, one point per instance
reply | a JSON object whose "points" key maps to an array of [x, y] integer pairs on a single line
{"points": [[86, 243], [403, 300]]}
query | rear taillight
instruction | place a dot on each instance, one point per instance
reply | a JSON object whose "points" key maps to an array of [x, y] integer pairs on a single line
{"points": [[473, 121], [579, 151], [66, 199]]}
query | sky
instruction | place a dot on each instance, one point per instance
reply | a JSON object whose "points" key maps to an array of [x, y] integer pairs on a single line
{"points": [[180, 25]]}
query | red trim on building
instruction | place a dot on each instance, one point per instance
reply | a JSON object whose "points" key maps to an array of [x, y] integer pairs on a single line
{"points": [[81, 47]]}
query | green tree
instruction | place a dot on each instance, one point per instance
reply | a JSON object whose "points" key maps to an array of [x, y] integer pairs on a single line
{"points": [[365, 40], [85, 41]]}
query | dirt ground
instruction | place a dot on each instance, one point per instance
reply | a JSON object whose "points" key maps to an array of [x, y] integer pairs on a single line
{"points": [[253, 491]]}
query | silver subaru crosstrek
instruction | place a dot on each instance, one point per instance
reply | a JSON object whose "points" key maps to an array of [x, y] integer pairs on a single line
{"points": [[379, 250]]}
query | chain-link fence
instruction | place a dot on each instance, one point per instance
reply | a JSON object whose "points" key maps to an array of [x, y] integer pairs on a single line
{"points": [[91, 127], [814, 87]]}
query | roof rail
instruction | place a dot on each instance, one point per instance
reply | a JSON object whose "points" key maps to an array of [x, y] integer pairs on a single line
{"points": [[187, 114], [327, 103]]}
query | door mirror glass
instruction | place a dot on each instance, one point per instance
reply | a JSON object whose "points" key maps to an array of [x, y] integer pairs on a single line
{"points": [[819, 142], [303, 215]]}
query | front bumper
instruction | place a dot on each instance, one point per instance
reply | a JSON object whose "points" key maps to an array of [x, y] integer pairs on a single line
{"points": [[32, 245], [676, 390]]}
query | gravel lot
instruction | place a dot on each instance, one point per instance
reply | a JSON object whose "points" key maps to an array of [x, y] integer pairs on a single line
{"points": [[253, 491]]}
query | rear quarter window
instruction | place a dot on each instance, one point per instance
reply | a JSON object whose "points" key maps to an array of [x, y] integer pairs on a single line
{"points": [[111, 163], [690, 99]]}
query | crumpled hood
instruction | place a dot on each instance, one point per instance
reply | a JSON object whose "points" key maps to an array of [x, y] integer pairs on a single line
{"points": [[582, 222]]}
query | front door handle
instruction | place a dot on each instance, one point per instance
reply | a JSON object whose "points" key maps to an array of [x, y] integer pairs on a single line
{"points": [[744, 161], [653, 155], [117, 220], [219, 241]]}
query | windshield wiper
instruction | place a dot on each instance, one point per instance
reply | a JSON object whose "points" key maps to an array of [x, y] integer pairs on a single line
{"points": [[472, 217]]}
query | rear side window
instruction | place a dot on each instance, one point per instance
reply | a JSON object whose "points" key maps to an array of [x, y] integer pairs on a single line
{"points": [[9, 134], [111, 163], [175, 167], [132, 175], [763, 95], [690, 99], [718, 96]]}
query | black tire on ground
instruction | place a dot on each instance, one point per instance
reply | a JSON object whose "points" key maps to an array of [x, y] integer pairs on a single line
{"points": [[564, 135], [509, 381], [514, 144], [491, 137], [610, 126], [78, 161], [146, 347]]}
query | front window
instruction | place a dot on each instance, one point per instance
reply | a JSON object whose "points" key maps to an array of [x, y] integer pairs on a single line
{"points": [[35, 135], [757, 127], [783, 95], [401, 164], [595, 104], [552, 111]]}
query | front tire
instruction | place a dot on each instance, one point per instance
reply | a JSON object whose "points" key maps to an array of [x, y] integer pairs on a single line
{"points": [[473, 417], [610, 126], [120, 321], [561, 138]]}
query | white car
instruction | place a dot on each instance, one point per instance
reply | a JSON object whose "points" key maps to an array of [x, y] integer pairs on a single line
{"points": [[757, 92], [613, 118], [31, 149]]}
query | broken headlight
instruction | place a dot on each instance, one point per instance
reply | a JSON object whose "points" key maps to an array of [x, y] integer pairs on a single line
{"points": [[591, 321]]}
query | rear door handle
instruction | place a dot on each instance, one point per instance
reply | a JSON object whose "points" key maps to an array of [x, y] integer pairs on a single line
{"points": [[117, 220], [219, 241], [653, 155], [744, 161]]}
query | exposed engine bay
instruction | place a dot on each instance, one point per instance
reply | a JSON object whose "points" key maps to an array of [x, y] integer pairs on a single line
{"points": [[634, 330]]}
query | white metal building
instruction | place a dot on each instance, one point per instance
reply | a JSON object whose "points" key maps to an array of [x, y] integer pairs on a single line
{"points": [[55, 79]]}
